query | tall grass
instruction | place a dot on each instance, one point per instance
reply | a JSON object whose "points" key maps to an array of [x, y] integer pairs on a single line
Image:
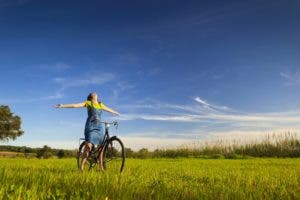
{"points": [[273, 145], [152, 179]]}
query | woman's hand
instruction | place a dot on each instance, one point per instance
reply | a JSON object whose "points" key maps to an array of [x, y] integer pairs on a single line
{"points": [[58, 106], [72, 105], [116, 113]]}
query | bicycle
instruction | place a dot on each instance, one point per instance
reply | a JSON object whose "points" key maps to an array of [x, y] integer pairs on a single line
{"points": [[109, 155]]}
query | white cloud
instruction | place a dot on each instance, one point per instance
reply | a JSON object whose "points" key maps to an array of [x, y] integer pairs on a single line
{"points": [[181, 118], [66, 83], [285, 75], [90, 79], [210, 106], [61, 66], [55, 67], [165, 107], [199, 100], [30, 100], [291, 78], [218, 117], [58, 80]]}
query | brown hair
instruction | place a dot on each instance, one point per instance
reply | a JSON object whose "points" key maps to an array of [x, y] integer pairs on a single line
{"points": [[90, 97]]}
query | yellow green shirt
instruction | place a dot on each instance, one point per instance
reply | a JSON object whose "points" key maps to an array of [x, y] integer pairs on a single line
{"points": [[97, 106]]}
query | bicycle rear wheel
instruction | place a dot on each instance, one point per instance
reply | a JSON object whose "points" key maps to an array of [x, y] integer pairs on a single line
{"points": [[89, 164], [113, 156]]}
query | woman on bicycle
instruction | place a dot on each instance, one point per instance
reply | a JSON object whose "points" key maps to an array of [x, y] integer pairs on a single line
{"points": [[93, 130]]}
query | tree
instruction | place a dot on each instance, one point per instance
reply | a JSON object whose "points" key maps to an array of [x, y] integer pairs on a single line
{"points": [[10, 124], [128, 152], [143, 153], [44, 152], [60, 153]]}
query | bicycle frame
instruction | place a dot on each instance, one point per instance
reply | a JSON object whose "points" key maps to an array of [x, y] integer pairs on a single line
{"points": [[105, 138], [103, 150]]}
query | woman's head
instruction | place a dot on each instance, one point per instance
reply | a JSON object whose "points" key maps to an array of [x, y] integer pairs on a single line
{"points": [[92, 97]]}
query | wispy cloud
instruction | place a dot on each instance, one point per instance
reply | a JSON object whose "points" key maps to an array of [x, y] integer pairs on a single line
{"points": [[291, 78], [94, 79], [142, 73], [211, 106], [89, 79], [217, 117], [65, 83], [30, 100], [165, 107], [58, 80], [207, 112], [208, 125], [56, 67], [199, 106]]}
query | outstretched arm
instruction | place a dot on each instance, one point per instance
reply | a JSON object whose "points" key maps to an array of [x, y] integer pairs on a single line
{"points": [[104, 107], [73, 105]]}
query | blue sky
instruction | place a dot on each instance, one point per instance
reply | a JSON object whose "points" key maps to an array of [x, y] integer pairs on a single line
{"points": [[178, 71]]}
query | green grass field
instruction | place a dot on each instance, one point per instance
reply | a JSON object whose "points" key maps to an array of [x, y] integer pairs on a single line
{"points": [[152, 179]]}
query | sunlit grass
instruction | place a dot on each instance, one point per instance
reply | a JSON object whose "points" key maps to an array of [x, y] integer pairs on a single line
{"points": [[152, 179]]}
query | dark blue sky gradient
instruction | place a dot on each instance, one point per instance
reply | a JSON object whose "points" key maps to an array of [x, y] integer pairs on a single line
{"points": [[242, 55]]}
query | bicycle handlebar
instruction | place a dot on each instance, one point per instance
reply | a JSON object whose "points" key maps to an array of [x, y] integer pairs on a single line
{"points": [[115, 123]]}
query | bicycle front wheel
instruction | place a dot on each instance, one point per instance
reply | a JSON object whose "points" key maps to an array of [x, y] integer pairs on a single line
{"points": [[113, 156]]}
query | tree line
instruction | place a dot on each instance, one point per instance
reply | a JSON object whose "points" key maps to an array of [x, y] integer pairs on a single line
{"points": [[287, 146], [44, 152]]}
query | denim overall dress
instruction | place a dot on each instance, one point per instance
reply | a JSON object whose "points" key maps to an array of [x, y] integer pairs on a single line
{"points": [[93, 131]]}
